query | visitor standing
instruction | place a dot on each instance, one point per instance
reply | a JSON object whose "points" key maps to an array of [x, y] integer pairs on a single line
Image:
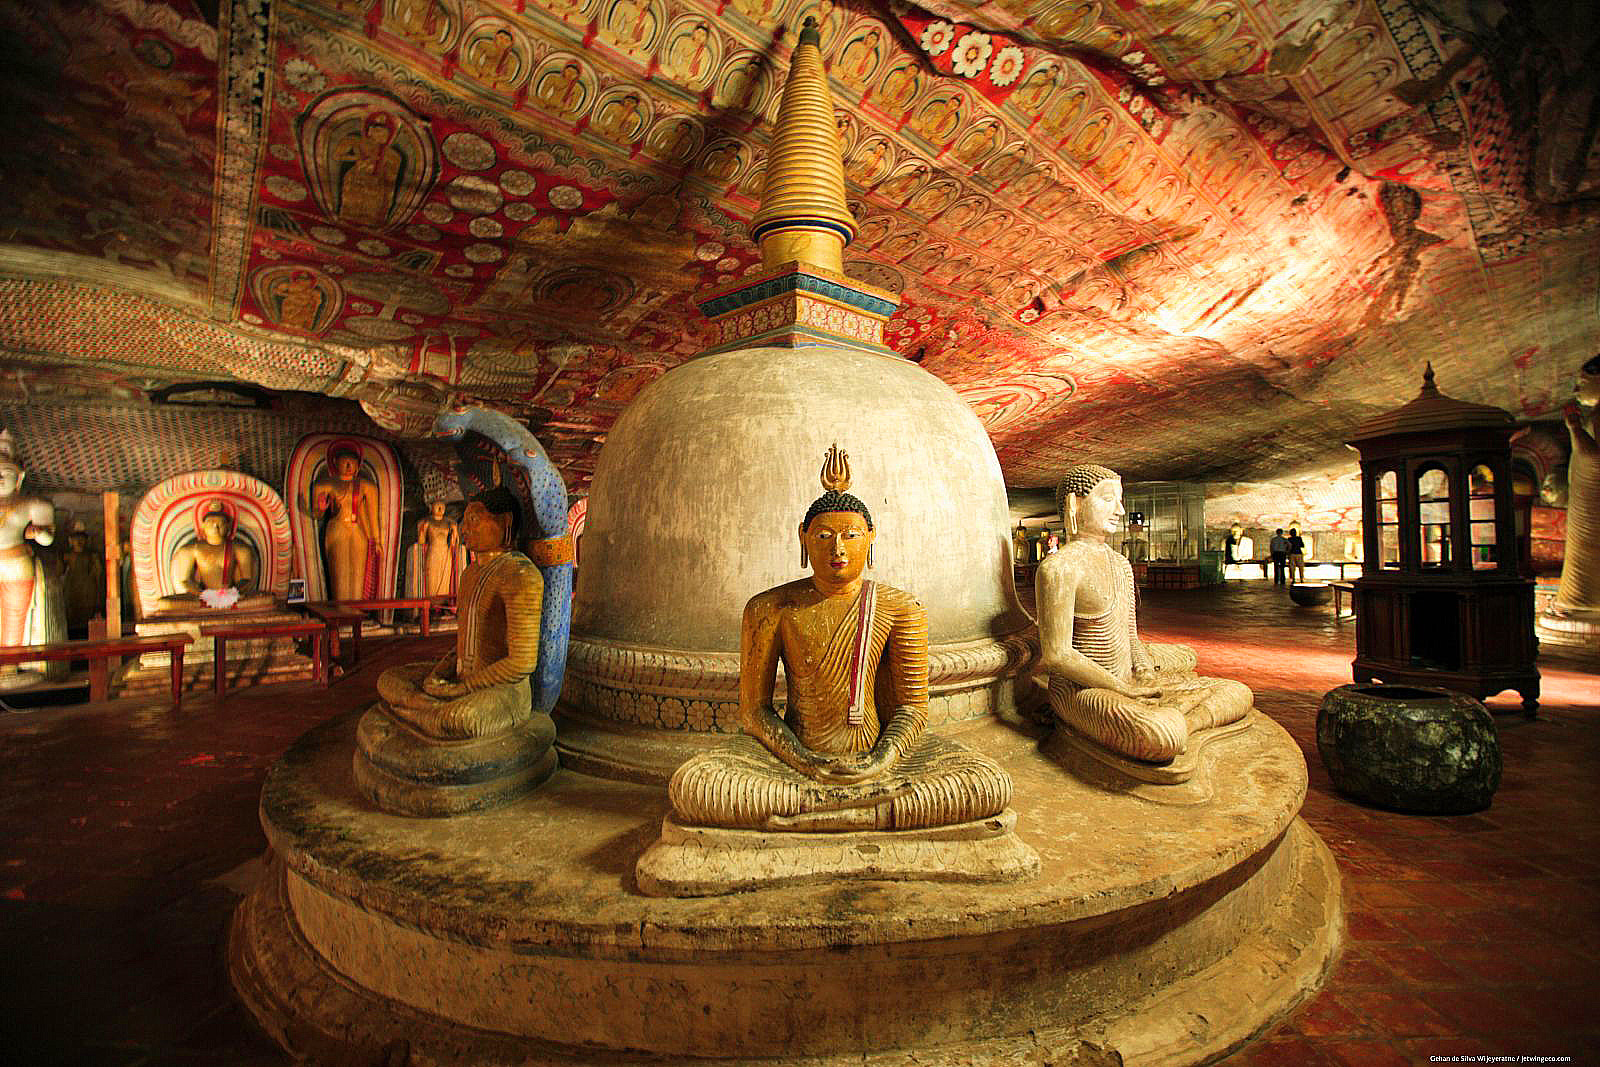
{"points": [[1297, 556], [1279, 546]]}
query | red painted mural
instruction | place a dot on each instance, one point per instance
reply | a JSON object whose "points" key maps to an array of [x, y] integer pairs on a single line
{"points": [[1193, 239]]}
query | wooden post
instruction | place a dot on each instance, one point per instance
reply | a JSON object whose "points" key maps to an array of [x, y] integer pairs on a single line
{"points": [[113, 557], [99, 666]]}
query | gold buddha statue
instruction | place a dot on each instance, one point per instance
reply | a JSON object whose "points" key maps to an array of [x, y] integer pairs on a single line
{"points": [[216, 571], [849, 751], [347, 501], [1136, 700], [437, 536], [461, 734]]}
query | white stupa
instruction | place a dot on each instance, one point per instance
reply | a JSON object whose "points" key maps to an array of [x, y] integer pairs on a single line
{"points": [[703, 481]]}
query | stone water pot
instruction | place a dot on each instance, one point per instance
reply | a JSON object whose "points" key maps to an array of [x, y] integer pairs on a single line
{"points": [[1410, 748], [1310, 594]]}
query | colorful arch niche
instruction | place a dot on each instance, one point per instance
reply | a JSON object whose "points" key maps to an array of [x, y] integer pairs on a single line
{"points": [[164, 522]]}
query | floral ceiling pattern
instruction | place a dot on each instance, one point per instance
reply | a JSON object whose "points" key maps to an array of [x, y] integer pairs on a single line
{"points": [[1191, 239]]}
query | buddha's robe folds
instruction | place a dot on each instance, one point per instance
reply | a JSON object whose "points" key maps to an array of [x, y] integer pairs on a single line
{"points": [[497, 647], [866, 681], [1153, 731]]}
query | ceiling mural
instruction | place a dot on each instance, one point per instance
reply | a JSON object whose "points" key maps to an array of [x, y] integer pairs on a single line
{"points": [[1193, 239]]}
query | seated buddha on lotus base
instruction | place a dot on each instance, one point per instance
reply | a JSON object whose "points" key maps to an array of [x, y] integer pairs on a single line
{"points": [[844, 784], [461, 735]]}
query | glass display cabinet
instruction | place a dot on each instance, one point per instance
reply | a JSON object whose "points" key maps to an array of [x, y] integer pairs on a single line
{"points": [[1164, 534], [1442, 599]]}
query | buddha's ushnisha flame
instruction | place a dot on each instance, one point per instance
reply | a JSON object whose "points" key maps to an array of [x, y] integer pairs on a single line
{"points": [[803, 217], [836, 469]]}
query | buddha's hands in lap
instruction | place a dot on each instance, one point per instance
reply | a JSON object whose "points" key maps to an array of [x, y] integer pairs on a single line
{"points": [[444, 688], [852, 768], [1150, 694]]}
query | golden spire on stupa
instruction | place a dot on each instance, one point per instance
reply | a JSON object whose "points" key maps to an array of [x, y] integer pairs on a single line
{"points": [[803, 217], [800, 295]]}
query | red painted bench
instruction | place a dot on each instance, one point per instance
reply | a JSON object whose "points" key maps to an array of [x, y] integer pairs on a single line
{"points": [[336, 616], [221, 635], [100, 648], [422, 605]]}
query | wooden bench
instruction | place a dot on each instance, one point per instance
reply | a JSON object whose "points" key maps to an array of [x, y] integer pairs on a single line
{"points": [[1340, 591], [222, 634], [103, 648], [336, 616], [422, 605]]}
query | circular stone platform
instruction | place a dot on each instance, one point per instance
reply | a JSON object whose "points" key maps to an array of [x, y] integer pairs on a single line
{"points": [[1168, 925]]}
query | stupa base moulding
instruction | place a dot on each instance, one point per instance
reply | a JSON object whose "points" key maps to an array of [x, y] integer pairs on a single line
{"points": [[1160, 934]]}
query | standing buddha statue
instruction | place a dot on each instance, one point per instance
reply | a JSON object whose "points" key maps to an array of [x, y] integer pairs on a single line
{"points": [[436, 551], [1136, 700], [348, 504], [461, 734], [22, 519]]}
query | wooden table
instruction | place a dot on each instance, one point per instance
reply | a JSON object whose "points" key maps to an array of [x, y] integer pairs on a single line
{"points": [[222, 634], [1340, 591], [336, 616], [422, 605], [105, 648]]}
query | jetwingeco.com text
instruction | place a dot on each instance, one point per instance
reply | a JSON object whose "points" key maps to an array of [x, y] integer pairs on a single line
{"points": [[1499, 1059]]}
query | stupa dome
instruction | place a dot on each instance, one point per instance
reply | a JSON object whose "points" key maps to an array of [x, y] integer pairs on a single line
{"points": [[704, 480], [698, 494]]}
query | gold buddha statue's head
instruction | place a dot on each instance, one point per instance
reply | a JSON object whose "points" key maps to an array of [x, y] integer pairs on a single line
{"points": [[344, 459], [1089, 498], [837, 533], [436, 509], [490, 521], [213, 521]]}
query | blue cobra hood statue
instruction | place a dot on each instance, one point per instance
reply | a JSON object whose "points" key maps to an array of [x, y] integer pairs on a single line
{"points": [[544, 496]]}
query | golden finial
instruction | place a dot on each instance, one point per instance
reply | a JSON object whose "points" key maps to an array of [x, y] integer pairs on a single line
{"points": [[803, 216], [836, 470]]}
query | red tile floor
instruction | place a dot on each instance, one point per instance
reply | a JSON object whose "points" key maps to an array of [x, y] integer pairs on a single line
{"points": [[127, 832]]}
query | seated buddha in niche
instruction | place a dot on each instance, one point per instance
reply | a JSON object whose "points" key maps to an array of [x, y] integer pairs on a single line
{"points": [[1137, 700], [217, 570], [849, 751], [461, 734]]}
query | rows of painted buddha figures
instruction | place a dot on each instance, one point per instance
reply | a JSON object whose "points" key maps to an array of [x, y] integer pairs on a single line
{"points": [[848, 751]]}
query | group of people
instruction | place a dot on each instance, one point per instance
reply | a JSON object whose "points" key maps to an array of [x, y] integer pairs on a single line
{"points": [[1290, 551]]}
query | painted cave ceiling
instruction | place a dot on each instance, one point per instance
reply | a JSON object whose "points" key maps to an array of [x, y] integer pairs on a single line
{"points": [[1190, 239]]}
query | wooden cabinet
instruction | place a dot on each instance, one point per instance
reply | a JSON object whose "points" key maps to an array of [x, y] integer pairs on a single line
{"points": [[1442, 599]]}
